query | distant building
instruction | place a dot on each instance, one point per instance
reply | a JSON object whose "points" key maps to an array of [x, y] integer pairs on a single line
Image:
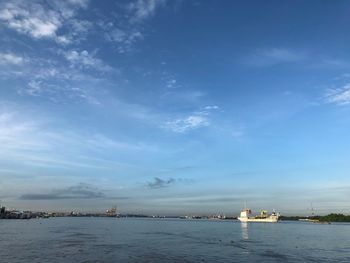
{"points": [[2, 210]]}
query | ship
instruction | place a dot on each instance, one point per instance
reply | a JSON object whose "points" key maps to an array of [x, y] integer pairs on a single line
{"points": [[264, 217], [112, 212]]}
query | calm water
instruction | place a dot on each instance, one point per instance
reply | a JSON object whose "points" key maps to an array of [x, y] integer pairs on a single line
{"points": [[153, 240]]}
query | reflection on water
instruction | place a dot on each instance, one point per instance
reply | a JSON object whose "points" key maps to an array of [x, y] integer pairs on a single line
{"points": [[244, 227]]}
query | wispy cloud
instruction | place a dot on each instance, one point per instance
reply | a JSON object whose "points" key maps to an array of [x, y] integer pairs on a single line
{"points": [[29, 138], [82, 74], [35, 87], [273, 56], [48, 75], [333, 63], [11, 58], [84, 59], [99, 141], [237, 132], [78, 31], [124, 38], [171, 83], [121, 36], [187, 96], [157, 182], [75, 78], [188, 123], [125, 32], [143, 9], [160, 183], [16, 132], [38, 19], [80, 191], [193, 121], [339, 96]]}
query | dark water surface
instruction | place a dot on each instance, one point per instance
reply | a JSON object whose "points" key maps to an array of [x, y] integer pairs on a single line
{"points": [[165, 240]]}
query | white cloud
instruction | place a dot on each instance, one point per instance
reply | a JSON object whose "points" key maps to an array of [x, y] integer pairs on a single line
{"points": [[80, 58], [38, 19], [10, 58], [31, 19], [171, 84], [211, 107], [339, 96], [273, 56], [81, 3]]}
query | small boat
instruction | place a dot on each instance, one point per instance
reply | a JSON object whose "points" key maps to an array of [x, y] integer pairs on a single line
{"points": [[309, 220], [315, 221], [262, 218]]}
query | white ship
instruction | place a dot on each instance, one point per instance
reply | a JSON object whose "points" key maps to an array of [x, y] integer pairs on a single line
{"points": [[263, 217]]}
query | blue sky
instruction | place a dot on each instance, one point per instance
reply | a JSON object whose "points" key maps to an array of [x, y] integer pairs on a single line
{"points": [[175, 107]]}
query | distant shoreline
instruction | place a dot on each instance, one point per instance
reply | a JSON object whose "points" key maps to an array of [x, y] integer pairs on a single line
{"points": [[32, 215]]}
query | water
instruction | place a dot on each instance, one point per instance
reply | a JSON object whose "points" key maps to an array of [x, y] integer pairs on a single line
{"points": [[164, 240]]}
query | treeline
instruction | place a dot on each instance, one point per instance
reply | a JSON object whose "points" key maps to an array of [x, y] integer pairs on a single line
{"points": [[335, 218], [327, 218]]}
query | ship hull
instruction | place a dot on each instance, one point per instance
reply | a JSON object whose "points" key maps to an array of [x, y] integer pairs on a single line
{"points": [[258, 220]]}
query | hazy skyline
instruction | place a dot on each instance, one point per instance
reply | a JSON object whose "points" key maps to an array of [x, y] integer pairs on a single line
{"points": [[174, 107]]}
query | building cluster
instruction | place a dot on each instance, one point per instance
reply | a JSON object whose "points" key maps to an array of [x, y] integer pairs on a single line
{"points": [[215, 216], [15, 214], [111, 212]]}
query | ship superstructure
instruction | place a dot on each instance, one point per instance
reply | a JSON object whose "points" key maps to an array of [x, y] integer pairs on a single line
{"points": [[264, 217]]}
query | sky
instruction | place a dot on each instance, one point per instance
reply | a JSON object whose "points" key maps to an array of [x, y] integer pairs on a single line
{"points": [[175, 107]]}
